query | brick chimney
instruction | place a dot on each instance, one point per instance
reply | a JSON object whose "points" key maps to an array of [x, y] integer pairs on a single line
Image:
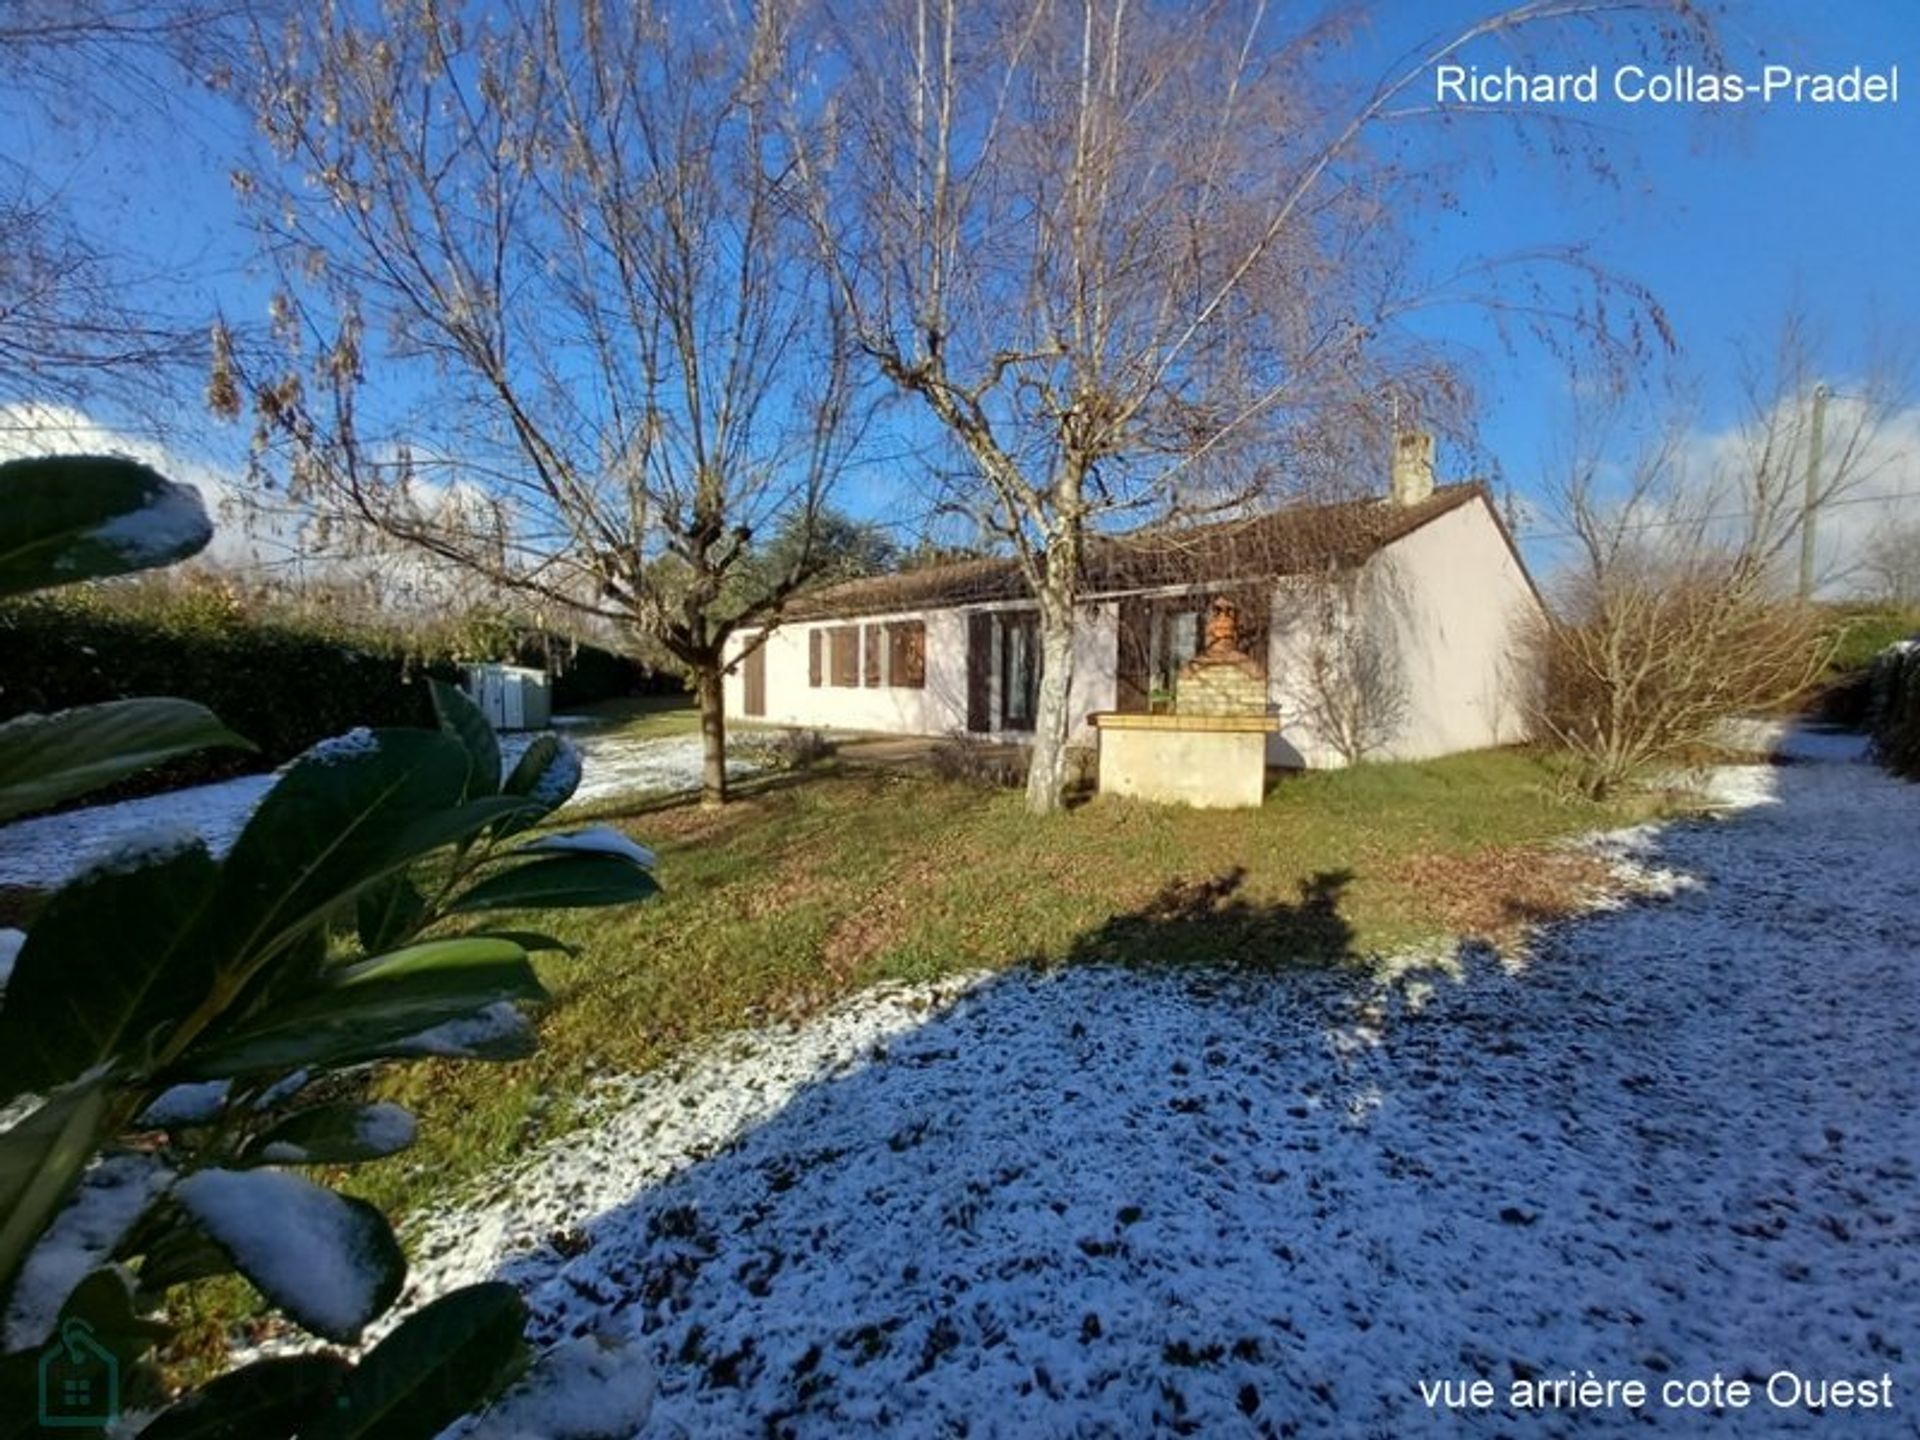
{"points": [[1412, 480]]}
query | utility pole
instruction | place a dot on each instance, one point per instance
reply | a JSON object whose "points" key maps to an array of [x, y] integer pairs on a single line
{"points": [[1808, 506]]}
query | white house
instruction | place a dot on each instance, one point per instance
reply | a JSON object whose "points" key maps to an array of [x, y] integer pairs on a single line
{"points": [[1388, 627]]}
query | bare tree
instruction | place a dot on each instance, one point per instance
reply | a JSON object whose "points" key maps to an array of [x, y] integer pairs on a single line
{"points": [[1766, 479], [1890, 564], [70, 330], [1112, 251], [609, 363], [1677, 612]]}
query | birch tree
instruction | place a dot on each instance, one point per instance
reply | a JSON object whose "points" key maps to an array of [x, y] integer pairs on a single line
{"points": [[550, 315], [1112, 251]]}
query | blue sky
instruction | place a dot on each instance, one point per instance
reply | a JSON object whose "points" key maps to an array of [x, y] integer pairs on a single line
{"points": [[1725, 213]]}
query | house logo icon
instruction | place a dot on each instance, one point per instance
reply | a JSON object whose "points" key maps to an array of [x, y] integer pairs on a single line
{"points": [[79, 1381]]}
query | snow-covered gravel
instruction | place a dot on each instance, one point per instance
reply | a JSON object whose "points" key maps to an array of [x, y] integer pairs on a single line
{"points": [[52, 849], [1680, 1143]]}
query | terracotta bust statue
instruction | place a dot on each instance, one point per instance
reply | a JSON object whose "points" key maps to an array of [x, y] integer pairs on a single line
{"points": [[1223, 631]]}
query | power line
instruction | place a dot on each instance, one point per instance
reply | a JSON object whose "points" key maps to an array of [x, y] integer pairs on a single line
{"points": [[1709, 519]]}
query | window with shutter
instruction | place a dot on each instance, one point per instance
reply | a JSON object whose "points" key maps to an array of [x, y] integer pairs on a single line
{"points": [[813, 658], [871, 637], [843, 643], [1019, 669], [907, 654]]}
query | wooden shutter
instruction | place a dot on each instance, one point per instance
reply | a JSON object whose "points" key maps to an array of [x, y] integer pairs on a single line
{"points": [[907, 654], [813, 657], [755, 681], [844, 655], [1133, 664], [979, 672], [871, 637]]}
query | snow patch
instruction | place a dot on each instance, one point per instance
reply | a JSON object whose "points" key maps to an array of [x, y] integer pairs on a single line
{"points": [[112, 1196], [356, 742], [586, 1388], [467, 1038], [293, 1237], [198, 1103], [46, 852], [172, 521], [141, 849], [598, 840], [10, 943], [385, 1126], [1096, 1201]]}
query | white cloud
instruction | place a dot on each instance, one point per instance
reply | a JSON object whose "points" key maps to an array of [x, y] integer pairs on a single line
{"points": [[1881, 456], [240, 542]]}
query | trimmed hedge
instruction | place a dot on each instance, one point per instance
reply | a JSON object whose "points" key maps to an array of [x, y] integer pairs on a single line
{"points": [[281, 686], [282, 681], [1894, 707], [1859, 636]]}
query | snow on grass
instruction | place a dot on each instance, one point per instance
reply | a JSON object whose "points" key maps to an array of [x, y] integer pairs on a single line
{"points": [[80, 1240], [301, 1243], [48, 851], [1680, 1142]]}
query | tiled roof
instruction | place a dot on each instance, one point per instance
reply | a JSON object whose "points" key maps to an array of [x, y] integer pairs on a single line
{"points": [[1281, 542]]}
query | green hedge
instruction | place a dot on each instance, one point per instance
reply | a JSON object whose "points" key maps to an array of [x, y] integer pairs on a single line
{"points": [[283, 677], [282, 686], [1894, 708]]}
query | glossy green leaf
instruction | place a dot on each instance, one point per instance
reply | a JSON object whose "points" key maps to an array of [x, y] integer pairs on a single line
{"points": [[267, 1400], [41, 1160], [45, 759], [547, 774], [109, 962], [348, 813], [562, 882], [461, 718], [446, 1360], [344, 1134], [106, 1303], [329, 1260], [173, 1250], [389, 912], [81, 517], [364, 1011], [531, 941]]}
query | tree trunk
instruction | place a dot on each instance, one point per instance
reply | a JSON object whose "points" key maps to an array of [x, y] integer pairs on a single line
{"points": [[1053, 718], [709, 686]]}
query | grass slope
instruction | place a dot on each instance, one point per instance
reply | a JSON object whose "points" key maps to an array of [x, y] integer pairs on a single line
{"points": [[808, 890]]}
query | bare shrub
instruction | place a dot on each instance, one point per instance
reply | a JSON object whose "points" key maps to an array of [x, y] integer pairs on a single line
{"points": [[784, 749], [973, 762], [1638, 669]]}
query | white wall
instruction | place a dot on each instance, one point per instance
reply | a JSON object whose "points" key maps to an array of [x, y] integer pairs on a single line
{"points": [[1449, 601], [939, 708]]}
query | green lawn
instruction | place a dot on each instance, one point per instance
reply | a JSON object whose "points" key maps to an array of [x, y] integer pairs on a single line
{"points": [[810, 888], [646, 717]]}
